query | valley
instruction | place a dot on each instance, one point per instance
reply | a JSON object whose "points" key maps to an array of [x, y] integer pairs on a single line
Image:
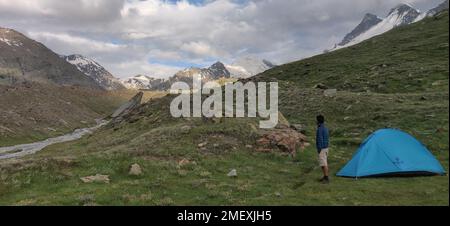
{"points": [[398, 79]]}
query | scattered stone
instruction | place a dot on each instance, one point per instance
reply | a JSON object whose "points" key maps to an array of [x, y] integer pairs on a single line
{"points": [[97, 178], [232, 173], [183, 162], [320, 86], [437, 83], [299, 128], [249, 146], [346, 118], [135, 170], [186, 129], [330, 92], [201, 145], [348, 108], [278, 194]]}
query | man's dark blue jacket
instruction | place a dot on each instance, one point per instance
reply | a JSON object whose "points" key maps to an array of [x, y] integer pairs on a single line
{"points": [[322, 138]]}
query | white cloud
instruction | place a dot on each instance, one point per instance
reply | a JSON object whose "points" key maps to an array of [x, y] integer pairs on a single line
{"points": [[80, 44]]}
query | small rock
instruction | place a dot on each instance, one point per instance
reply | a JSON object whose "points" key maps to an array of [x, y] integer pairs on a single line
{"points": [[232, 173], [249, 146], [349, 107], [346, 118], [320, 86], [97, 178], [135, 170], [186, 129], [201, 145], [330, 92], [278, 194], [437, 83], [183, 162], [297, 127]]}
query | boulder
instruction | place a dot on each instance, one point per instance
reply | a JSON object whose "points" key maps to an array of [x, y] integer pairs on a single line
{"points": [[320, 86], [232, 173], [128, 106], [135, 170], [287, 140], [97, 178]]}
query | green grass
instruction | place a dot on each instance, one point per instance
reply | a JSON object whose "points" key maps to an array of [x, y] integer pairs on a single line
{"points": [[158, 142]]}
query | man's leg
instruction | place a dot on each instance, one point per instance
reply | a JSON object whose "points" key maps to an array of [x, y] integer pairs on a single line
{"points": [[325, 171], [324, 164]]}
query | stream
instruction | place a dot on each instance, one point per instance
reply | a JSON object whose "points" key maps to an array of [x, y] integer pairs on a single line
{"points": [[21, 150]]}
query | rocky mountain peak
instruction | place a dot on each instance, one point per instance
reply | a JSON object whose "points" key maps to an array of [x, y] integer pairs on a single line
{"points": [[95, 71], [368, 22]]}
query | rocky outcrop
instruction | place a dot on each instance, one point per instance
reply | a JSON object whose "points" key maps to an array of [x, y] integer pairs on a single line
{"points": [[284, 138], [128, 106]]}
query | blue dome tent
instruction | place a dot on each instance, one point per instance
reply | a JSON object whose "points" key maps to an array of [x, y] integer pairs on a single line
{"points": [[390, 151]]}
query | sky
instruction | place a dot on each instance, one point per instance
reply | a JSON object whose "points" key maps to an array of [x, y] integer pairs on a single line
{"points": [[160, 37]]}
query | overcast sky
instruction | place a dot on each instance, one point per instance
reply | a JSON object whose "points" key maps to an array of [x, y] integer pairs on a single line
{"points": [[160, 37]]}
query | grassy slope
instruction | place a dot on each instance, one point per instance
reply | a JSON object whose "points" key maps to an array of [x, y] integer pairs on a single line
{"points": [[157, 142], [35, 112], [406, 59]]}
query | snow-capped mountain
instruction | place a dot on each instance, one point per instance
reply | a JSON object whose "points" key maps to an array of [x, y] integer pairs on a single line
{"points": [[441, 7], [371, 25], [95, 71], [243, 68], [144, 82], [367, 23], [248, 66], [27, 60]]}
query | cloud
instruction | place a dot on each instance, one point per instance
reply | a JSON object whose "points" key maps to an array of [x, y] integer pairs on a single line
{"points": [[157, 37], [69, 43]]}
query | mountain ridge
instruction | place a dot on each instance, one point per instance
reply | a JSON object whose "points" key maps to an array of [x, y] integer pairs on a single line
{"points": [[94, 70], [400, 15], [24, 59]]}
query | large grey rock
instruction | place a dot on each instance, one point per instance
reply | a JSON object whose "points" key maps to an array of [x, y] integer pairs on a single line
{"points": [[128, 106]]}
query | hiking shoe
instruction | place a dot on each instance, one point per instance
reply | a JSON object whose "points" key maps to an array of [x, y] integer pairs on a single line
{"points": [[324, 180]]}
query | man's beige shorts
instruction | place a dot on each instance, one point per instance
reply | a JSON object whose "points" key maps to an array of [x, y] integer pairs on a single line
{"points": [[323, 158]]}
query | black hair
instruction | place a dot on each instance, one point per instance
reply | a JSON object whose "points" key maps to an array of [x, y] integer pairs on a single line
{"points": [[320, 119]]}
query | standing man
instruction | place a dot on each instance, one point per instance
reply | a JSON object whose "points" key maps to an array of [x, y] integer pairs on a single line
{"points": [[322, 143]]}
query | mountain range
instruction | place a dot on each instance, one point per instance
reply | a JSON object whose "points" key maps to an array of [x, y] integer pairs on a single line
{"points": [[242, 68], [372, 25]]}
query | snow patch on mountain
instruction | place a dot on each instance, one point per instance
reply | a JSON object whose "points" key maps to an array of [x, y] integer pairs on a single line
{"points": [[94, 70], [248, 66]]}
